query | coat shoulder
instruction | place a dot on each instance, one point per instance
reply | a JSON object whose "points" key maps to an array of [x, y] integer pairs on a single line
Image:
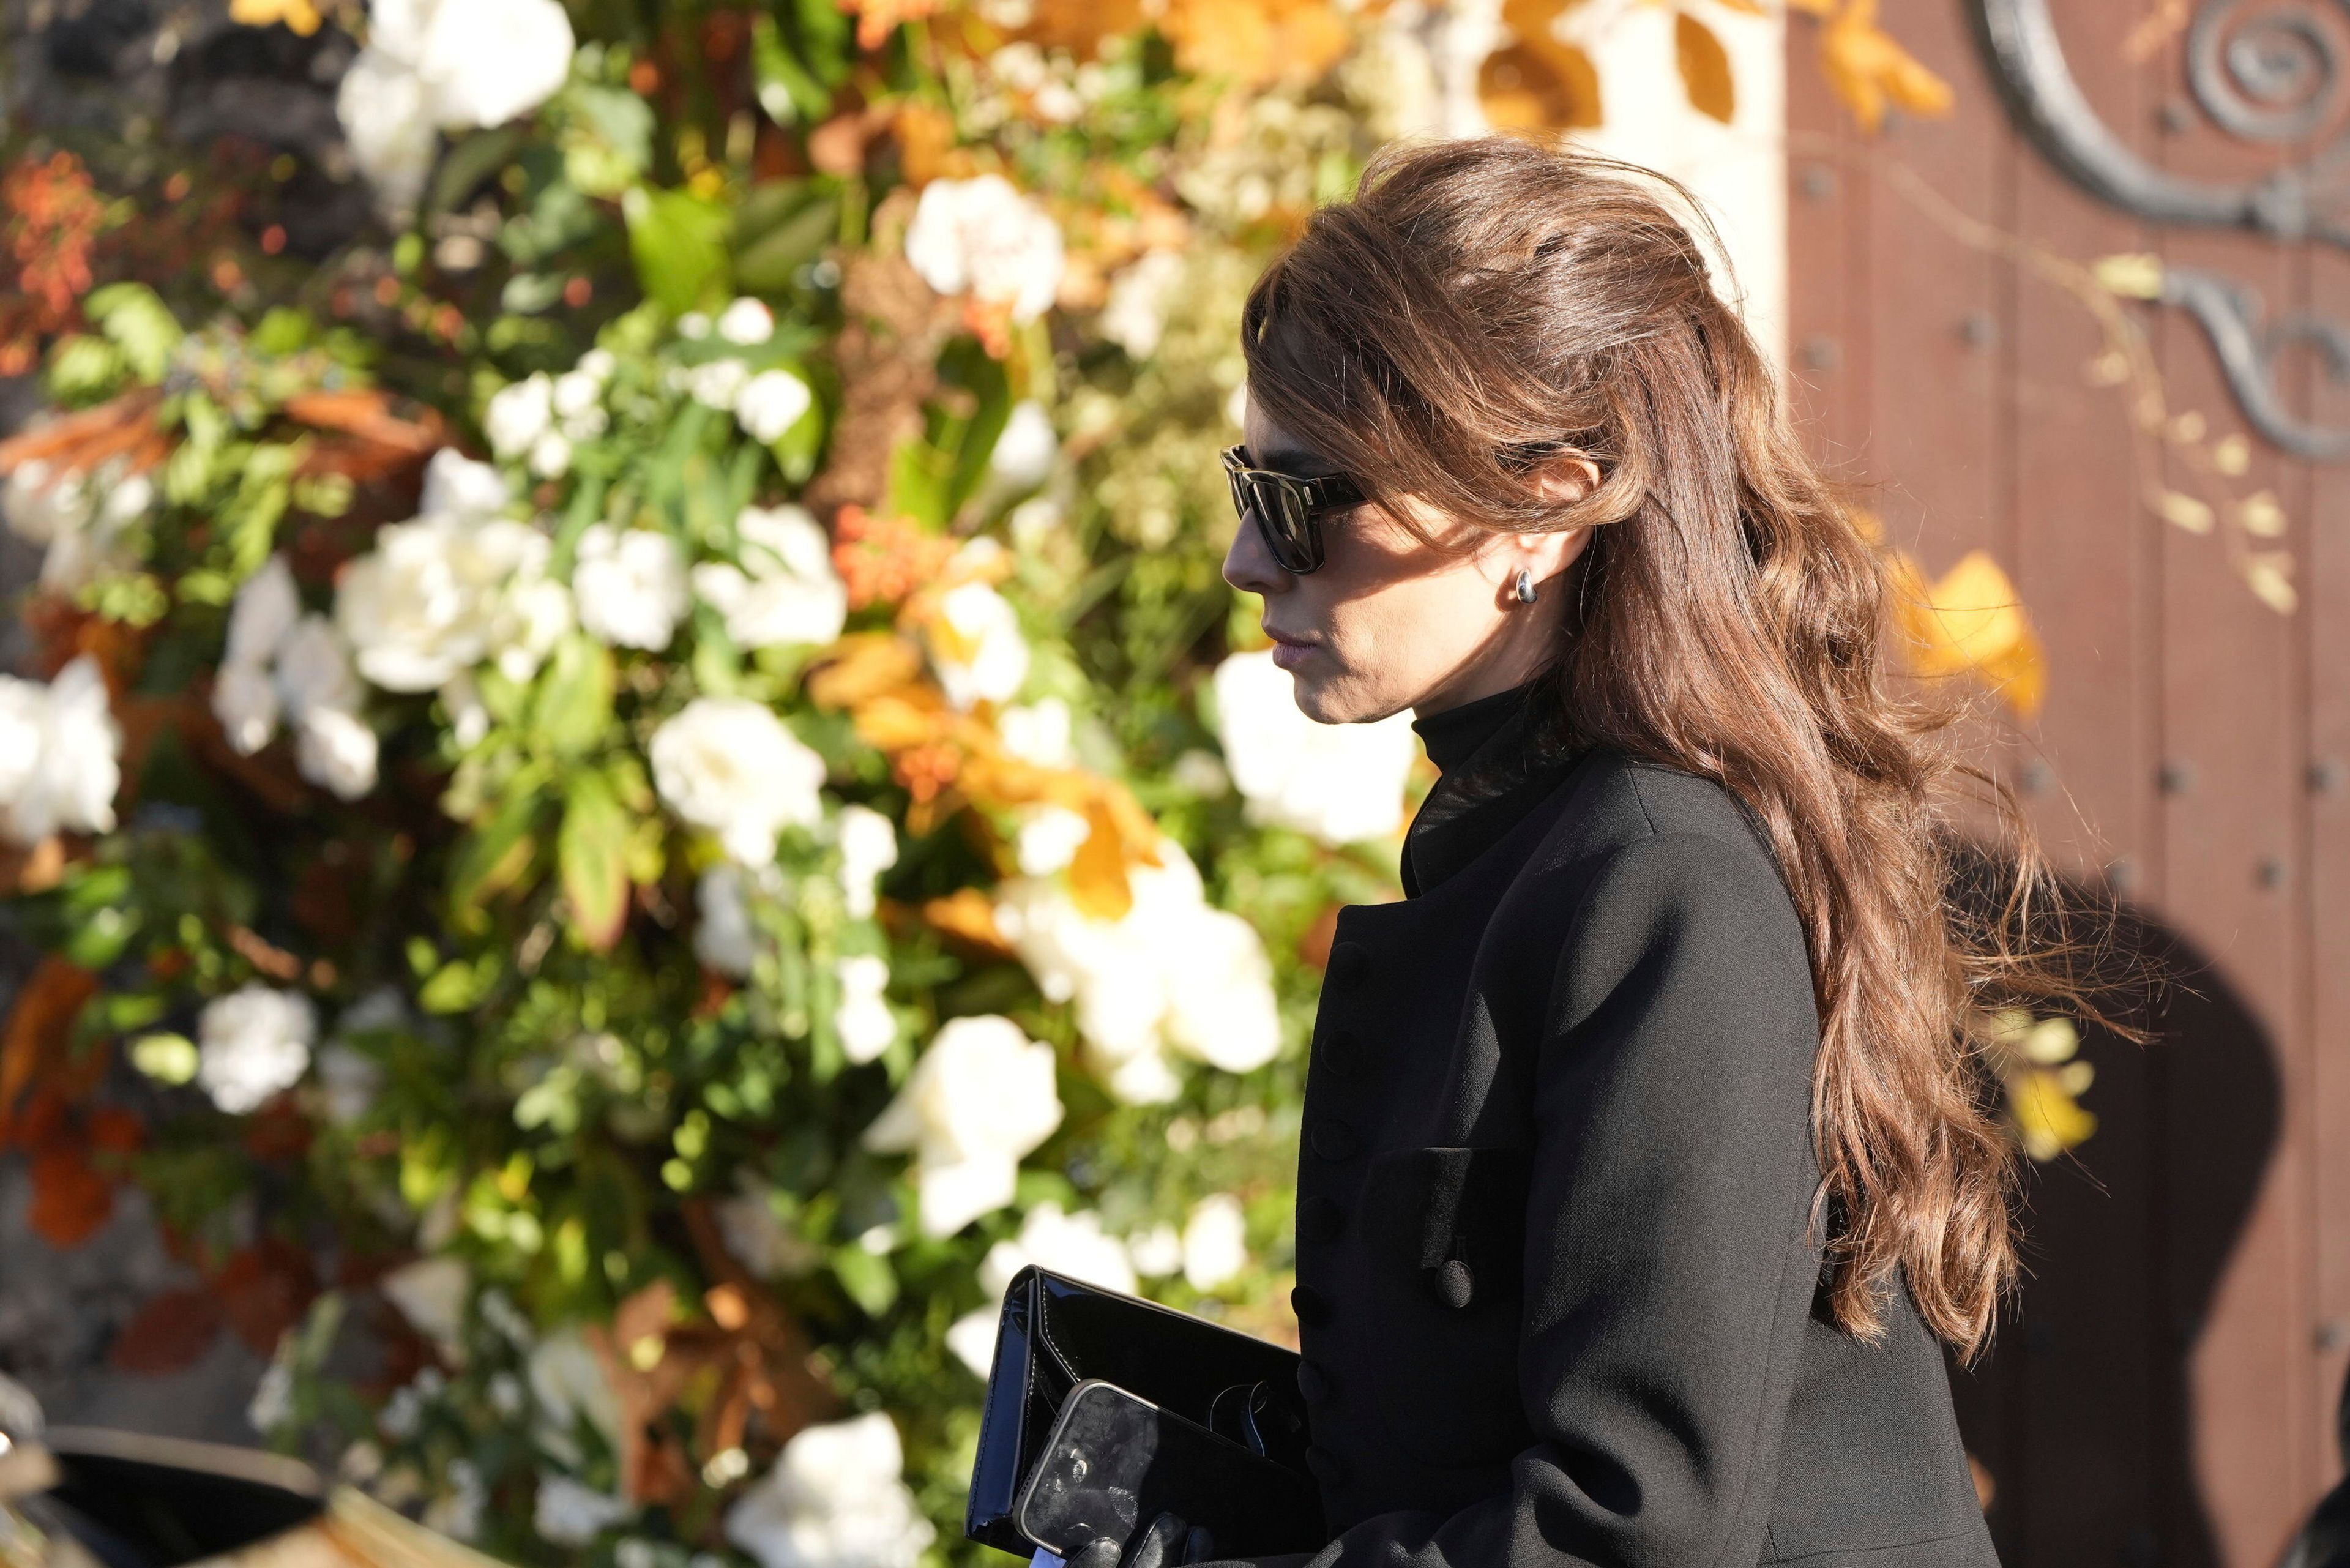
{"points": [[1625, 800]]}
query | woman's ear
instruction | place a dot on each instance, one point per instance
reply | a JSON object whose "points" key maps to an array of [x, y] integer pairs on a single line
{"points": [[1568, 477]]}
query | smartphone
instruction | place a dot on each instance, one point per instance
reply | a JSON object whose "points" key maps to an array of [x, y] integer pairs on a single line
{"points": [[1114, 1462]]}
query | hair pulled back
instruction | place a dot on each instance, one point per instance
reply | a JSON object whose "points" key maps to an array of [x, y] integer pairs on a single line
{"points": [[1480, 298]]}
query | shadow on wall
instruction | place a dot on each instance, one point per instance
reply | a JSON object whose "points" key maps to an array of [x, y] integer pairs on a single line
{"points": [[2081, 1413]]}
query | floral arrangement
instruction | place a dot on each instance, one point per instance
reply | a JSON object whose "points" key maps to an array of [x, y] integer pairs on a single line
{"points": [[642, 784]]}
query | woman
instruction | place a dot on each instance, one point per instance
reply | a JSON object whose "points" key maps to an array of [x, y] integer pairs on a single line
{"points": [[1647, 1169]]}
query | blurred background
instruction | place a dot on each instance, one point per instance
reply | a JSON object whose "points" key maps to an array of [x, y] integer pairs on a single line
{"points": [[628, 779]]}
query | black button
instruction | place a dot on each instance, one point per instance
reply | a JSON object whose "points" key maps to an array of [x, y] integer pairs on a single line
{"points": [[1319, 1219], [1350, 964], [1455, 1284], [1312, 1382], [1326, 1466], [1341, 1050], [1309, 1305], [1334, 1141]]}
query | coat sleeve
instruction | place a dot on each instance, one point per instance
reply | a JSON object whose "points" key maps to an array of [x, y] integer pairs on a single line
{"points": [[1669, 1266]]}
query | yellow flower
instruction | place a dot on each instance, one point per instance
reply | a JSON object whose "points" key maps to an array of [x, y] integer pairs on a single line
{"points": [[1969, 621], [300, 15]]}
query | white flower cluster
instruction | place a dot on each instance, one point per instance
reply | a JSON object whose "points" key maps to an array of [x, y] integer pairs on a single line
{"points": [[729, 766], [630, 584], [1175, 974], [457, 585], [81, 521], [784, 592], [837, 1499], [284, 664], [253, 1043], [981, 236], [976, 646], [538, 420], [765, 403], [432, 66], [60, 754], [980, 1097], [1340, 783]]}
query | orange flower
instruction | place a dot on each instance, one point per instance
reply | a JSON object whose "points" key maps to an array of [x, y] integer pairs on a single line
{"points": [[884, 559]]}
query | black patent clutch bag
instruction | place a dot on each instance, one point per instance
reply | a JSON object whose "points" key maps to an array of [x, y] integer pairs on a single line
{"points": [[1209, 1417]]}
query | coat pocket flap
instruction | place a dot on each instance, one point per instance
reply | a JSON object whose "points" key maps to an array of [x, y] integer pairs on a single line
{"points": [[1444, 1205]]}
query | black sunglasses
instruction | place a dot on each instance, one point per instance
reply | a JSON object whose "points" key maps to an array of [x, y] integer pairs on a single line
{"points": [[1288, 511]]}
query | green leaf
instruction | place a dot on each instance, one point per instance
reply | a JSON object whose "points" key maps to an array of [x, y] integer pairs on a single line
{"points": [[787, 89], [455, 987], [573, 708], [592, 853], [678, 241], [496, 853], [139, 323], [85, 369], [473, 160], [780, 228], [868, 1278]]}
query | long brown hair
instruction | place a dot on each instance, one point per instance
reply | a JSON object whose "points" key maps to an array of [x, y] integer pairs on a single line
{"points": [[1480, 298]]}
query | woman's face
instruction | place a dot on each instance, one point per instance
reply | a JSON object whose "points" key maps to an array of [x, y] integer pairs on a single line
{"points": [[1389, 623]]}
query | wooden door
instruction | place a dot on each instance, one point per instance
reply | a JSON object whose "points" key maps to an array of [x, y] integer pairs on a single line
{"points": [[2166, 1391]]}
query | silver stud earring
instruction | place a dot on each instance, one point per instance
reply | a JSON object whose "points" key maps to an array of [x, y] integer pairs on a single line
{"points": [[1525, 587]]}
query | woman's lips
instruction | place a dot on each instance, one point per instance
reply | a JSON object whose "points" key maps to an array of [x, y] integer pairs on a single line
{"points": [[1287, 653]]}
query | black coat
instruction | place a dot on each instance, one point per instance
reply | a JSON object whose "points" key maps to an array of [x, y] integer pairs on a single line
{"points": [[1557, 1286]]}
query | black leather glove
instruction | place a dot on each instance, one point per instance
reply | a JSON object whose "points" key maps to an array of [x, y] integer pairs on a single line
{"points": [[1167, 1542]]}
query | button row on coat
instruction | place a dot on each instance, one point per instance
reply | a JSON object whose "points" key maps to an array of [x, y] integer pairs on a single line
{"points": [[1350, 964]]}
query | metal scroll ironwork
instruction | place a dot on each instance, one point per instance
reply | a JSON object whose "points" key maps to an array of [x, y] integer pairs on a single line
{"points": [[2274, 72]]}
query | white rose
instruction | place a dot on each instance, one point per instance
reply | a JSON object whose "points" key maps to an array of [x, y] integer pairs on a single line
{"points": [[770, 403], [863, 1020], [976, 646], [430, 1294], [528, 619], [550, 455], [868, 846], [251, 1044], [982, 237], [1155, 1253], [629, 586], [787, 591], [314, 668], [75, 763], [24, 704], [718, 383], [1173, 974], [265, 608], [577, 392], [1134, 316], [1072, 1244], [244, 701], [334, 749], [387, 115], [570, 1513], [728, 765], [456, 485], [1215, 1242], [1340, 783], [489, 61], [44, 505], [439, 595], [1025, 451], [1049, 839], [724, 939], [1038, 732], [518, 415], [836, 1498], [748, 322], [980, 1097]]}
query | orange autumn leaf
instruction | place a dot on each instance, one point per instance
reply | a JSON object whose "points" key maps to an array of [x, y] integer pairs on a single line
{"points": [[876, 19], [170, 1333], [1097, 881], [1253, 43], [966, 916], [40, 1028], [1704, 68], [1081, 25], [1540, 85], [862, 666], [71, 1199], [1870, 71], [1969, 621]]}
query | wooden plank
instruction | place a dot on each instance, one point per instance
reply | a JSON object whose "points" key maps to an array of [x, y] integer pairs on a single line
{"points": [[2232, 741]]}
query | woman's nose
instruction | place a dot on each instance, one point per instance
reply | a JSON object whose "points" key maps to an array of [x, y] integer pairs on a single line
{"points": [[1249, 565]]}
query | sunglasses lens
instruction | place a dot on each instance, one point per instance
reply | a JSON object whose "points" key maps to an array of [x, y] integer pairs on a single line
{"points": [[1288, 530]]}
